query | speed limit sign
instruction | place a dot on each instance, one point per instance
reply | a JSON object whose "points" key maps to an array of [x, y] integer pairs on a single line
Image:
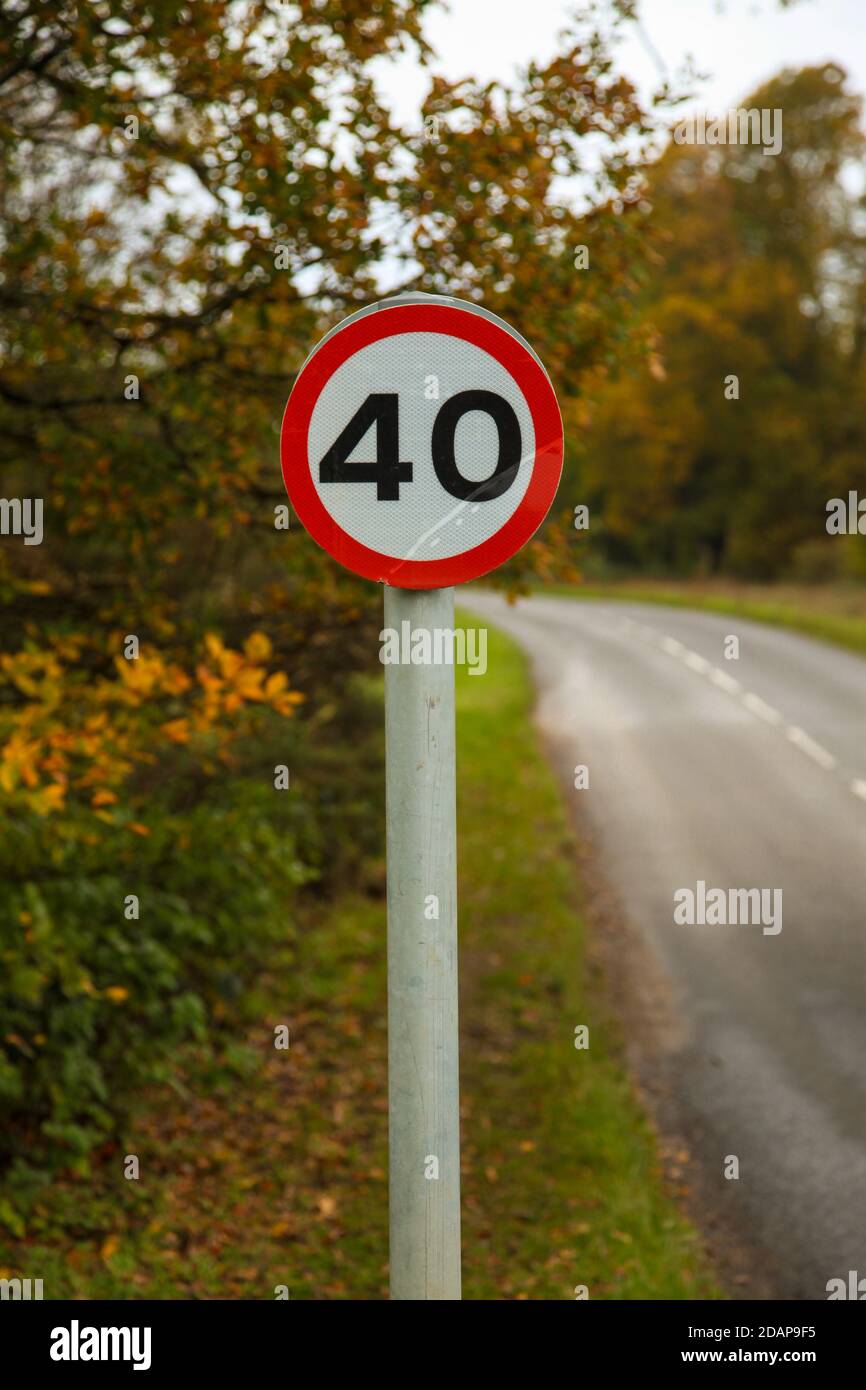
{"points": [[422, 442], [422, 447]]}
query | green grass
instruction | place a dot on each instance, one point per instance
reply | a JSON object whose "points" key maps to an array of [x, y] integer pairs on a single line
{"points": [[833, 614], [279, 1176]]}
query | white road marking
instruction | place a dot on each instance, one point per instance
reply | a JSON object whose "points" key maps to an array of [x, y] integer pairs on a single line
{"points": [[697, 663], [726, 682], [761, 708], [794, 734], [813, 750]]}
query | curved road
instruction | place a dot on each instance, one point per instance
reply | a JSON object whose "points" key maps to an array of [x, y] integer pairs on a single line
{"points": [[746, 773]]}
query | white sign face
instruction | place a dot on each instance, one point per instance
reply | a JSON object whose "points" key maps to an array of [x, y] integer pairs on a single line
{"points": [[422, 444]]}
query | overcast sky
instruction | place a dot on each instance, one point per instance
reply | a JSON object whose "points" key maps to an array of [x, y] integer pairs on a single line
{"points": [[739, 43]]}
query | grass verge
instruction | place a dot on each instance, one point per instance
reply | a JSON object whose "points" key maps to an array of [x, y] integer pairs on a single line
{"points": [[833, 614], [278, 1176]]}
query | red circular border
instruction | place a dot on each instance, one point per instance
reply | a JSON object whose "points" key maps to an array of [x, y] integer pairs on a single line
{"points": [[546, 468]]}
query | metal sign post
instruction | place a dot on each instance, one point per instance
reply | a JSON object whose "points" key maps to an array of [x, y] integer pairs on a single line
{"points": [[422, 447], [423, 1104]]}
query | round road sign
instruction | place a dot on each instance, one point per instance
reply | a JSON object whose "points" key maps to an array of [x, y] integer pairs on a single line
{"points": [[422, 442]]}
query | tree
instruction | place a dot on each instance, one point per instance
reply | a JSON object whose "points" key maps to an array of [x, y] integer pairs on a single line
{"points": [[190, 195], [761, 280]]}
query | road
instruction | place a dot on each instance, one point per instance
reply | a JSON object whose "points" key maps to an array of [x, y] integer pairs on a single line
{"points": [[742, 773]]}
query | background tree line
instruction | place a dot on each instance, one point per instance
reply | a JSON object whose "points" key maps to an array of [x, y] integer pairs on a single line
{"points": [[757, 271]]}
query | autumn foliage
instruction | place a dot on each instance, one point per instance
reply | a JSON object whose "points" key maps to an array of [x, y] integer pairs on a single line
{"points": [[719, 453], [190, 195]]}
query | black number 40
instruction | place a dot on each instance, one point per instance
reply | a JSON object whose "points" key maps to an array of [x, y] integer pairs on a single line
{"points": [[388, 472]]}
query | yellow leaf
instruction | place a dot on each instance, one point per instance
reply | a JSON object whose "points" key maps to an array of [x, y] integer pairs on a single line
{"points": [[249, 684], [284, 704], [258, 647], [116, 993], [275, 684], [177, 730], [28, 773], [176, 681], [49, 798], [110, 1246], [230, 663]]}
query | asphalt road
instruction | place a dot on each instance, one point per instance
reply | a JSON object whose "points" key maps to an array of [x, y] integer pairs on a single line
{"points": [[747, 773]]}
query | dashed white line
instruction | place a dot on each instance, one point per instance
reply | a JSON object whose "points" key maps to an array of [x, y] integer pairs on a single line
{"points": [[726, 682], [697, 663], [794, 734], [761, 708], [807, 745]]}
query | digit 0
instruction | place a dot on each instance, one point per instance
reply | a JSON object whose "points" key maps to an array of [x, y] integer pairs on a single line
{"points": [[444, 431]]}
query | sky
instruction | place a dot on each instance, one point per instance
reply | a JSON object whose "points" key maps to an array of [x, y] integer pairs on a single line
{"points": [[737, 43]]}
